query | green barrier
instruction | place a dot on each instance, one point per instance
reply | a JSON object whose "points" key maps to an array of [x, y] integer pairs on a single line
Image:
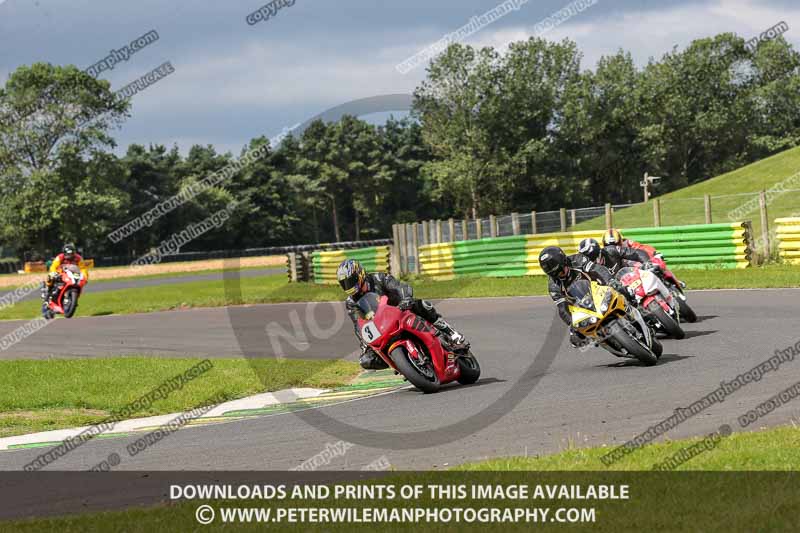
{"points": [[324, 264], [696, 246]]}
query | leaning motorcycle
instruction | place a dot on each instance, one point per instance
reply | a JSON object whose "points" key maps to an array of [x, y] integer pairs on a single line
{"points": [[659, 306], [65, 293], [686, 312], [412, 346], [603, 315]]}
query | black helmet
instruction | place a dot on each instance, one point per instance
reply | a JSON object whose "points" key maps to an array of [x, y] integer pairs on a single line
{"points": [[590, 248], [351, 276], [612, 258], [554, 262], [69, 250]]}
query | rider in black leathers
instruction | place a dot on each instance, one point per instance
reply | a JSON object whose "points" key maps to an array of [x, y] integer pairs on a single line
{"points": [[563, 271], [356, 282], [613, 257]]}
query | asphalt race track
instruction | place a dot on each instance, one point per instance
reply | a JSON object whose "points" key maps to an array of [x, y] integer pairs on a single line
{"points": [[115, 285], [586, 398]]}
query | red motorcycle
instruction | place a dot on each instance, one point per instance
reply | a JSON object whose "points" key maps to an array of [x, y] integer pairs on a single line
{"points": [[65, 293], [658, 305], [411, 346]]}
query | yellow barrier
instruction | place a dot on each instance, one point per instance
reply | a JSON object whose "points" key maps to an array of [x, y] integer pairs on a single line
{"points": [[788, 233], [34, 266], [324, 264]]}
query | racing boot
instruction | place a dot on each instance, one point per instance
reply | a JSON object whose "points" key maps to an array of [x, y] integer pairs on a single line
{"points": [[369, 360], [455, 338]]}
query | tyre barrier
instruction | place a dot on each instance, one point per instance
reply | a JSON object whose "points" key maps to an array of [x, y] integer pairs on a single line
{"points": [[324, 264], [787, 231], [696, 246]]}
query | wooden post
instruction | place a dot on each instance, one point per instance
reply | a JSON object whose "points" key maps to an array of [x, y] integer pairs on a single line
{"points": [[415, 246], [478, 229], [572, 218], [425, 233], [292, 260], [432, 229], [451, 227], [515, 224], [657, 213], [707, 202], [609, 217], [403, 247], [394, 251], [563, 216], [465, 229], [492, 226], [750, 243], [437, 231], [533, 223], [762, 204]]}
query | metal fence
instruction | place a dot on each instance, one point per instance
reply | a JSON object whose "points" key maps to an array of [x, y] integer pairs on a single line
{"points": [[756, 207]]}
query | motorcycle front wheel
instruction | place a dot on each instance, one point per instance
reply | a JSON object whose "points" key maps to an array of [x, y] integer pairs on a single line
{"points": [[670, 324], [623, 339], [470, 369], [70, 302], [425, 378]]}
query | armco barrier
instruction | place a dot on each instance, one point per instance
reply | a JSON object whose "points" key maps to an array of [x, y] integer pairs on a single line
{"points": [[697, 246], [374, 259], [788, 233]]}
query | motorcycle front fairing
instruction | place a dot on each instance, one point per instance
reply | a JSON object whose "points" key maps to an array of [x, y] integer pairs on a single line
{"points": [[382, 325]]}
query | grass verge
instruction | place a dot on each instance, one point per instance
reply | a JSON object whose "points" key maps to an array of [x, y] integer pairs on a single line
{"points": [[716, 500], [57, 394], [276, 289], [772, 449], [729, 193]]}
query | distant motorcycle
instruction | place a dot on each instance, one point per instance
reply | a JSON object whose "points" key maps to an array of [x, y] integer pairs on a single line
{"points": [[67, 290], [658, 305], [411, 346]]}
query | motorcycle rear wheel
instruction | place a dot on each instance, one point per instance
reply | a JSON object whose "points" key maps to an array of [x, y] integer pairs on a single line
{"points": [[412, 374], [687, 314]]}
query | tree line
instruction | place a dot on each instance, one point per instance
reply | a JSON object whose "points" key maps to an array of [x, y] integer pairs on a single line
{"points": [[488, 133]]}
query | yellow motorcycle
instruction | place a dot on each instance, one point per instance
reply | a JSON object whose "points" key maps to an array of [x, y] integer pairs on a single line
{"points": [[606, 318]]}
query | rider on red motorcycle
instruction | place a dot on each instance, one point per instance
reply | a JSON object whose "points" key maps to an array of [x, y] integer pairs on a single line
{"points": [[356, 282], [68, 256], [613, 237]]}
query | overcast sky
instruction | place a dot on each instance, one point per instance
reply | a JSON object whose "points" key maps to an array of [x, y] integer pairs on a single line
{"points": [[234, 81]]}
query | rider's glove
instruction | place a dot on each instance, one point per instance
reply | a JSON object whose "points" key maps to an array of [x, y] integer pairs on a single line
{"points": [[406, 304], [53, 275], [627, 292], [576, 339], [616, 285]]}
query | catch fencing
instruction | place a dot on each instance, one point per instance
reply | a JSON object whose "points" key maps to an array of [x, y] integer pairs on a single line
{"points": [[695, 246]]}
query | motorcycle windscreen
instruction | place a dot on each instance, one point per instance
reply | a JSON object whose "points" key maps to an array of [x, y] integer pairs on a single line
{"points": [[580, 292], [73, 268], [368, 305], [623, 272]]}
